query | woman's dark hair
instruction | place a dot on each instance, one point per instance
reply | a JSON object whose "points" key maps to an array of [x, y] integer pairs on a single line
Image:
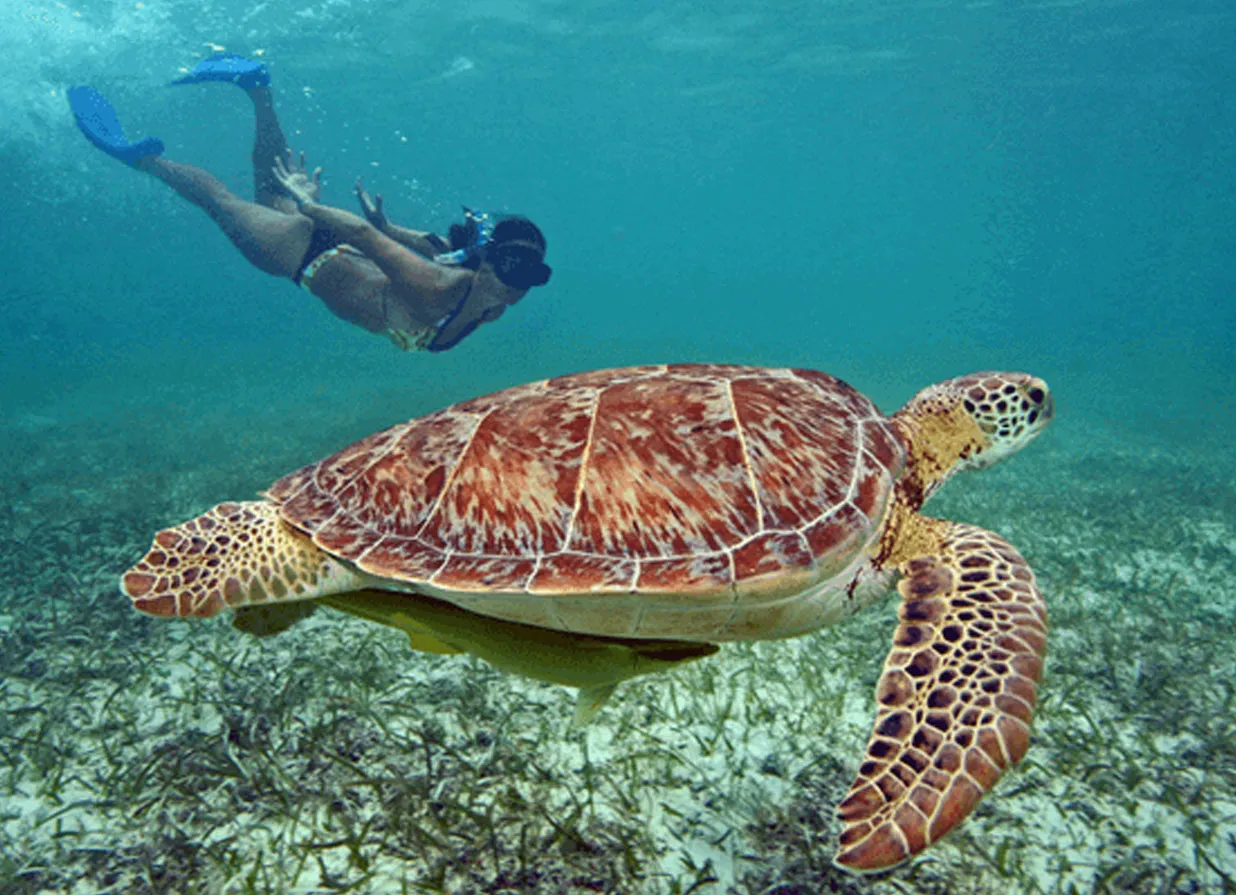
{"points": [[462, 236]]}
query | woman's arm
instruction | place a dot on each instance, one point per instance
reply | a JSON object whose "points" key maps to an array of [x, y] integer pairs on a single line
{"points": [[434, 290], [422, 241]]}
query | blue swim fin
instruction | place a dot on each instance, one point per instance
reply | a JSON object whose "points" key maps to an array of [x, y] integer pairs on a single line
{"points": [[97, 120], [239, 70]]}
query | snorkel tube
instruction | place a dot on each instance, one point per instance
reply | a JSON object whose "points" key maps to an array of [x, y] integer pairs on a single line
{"points": [[477, 229]]}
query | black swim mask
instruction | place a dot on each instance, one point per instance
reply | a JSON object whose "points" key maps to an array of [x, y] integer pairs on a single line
{"points": [[518, 264], [512, 244]]}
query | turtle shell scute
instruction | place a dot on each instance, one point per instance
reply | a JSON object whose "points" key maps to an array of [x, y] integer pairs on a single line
{"points": [[688, 479]]}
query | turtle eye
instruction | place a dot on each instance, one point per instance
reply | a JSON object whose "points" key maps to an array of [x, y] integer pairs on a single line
{"points": [[1040, 403]]}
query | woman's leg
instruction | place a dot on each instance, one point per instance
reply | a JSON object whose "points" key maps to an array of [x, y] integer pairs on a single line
{"points": [[269, 143], [272, 241]]}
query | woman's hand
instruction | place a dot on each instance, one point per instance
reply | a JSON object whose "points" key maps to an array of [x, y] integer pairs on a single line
{"points": [[372, 207], [297, 182]]}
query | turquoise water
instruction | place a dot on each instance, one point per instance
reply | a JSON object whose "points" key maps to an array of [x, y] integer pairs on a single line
{"points": [[893, 193]]}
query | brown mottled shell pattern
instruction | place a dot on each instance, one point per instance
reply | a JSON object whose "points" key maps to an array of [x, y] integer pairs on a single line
{"points": [[693, 482]]}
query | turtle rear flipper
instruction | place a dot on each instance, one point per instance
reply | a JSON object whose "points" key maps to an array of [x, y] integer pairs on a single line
{"points": [[271, 619], [237, 554], [594, 665], [965, 660]]}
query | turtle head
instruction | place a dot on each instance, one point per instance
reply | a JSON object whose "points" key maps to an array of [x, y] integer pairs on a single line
{"points": [[970, 422]]}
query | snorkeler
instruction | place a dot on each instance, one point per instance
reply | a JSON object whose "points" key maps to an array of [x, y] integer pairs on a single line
{"points": [[423, 291]]}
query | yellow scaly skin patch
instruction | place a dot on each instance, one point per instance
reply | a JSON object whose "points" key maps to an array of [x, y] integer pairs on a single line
{"points": [[938, 436], [906, 534]]}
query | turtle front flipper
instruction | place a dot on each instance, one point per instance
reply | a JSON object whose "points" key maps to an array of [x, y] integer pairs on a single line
{"points": [[955, 698], [237, 554]]}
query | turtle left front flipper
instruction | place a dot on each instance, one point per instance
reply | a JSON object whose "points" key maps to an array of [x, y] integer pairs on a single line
{"points": [[955, 698]]}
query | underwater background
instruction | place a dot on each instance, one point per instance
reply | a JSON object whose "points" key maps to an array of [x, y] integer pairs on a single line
{"points": [[893, 192]]}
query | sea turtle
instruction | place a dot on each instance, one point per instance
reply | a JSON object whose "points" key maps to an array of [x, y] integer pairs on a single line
{"points": [[591, 527]]}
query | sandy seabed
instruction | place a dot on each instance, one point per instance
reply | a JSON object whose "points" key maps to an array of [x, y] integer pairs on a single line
{"points": [[140, 756]]}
